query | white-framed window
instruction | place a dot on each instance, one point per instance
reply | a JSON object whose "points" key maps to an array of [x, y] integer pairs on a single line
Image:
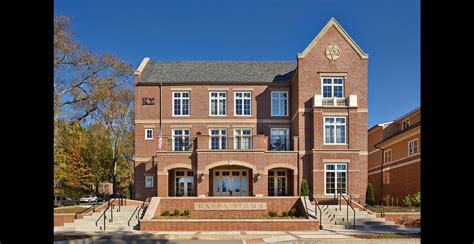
{"points": [[406, 124], [279, 103], [149, 179], [217, 103], [387, 155], [242, 103], [335, 178], [181, 139], [217, 138], [181, 103], [184, 181], [148, 134], [243, 139], [277, 182], [412, 147], [279, 139], [335, 130], [332, 87]]}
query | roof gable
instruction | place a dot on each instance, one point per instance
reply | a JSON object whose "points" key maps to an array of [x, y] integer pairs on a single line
{"points": [[333, 23]]}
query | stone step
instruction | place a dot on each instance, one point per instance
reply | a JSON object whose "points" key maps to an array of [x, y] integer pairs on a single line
{"points": [[94, 228], [365, 222]]}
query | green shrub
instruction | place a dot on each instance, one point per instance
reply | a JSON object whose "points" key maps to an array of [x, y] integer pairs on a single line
{"points": [[272, 213], [304, 188], [166, 213], [186, 212], [369, 195], [416, 199], [176, 212], [292, 212], [285, 214], [407, 201]]}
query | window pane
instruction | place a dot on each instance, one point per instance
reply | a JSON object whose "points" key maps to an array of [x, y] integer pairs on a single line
{"points": [[337, 91], [338, 81], [326, 81]]}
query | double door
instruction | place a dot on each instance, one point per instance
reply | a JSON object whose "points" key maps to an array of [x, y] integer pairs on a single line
{"points": [[231, 183]]}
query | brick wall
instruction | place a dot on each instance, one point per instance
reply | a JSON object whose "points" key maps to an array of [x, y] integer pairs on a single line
{"points": [[278, 204], [230, 225]]}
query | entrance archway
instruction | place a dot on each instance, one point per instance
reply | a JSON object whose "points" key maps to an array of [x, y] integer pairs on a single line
{"points": [[230, 178]]}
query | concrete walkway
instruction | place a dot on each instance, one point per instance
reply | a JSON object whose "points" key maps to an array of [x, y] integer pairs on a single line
{"points": [[247, 237]]}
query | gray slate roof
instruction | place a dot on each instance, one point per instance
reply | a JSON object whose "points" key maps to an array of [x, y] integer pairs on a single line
{"points": [[217, 71]]}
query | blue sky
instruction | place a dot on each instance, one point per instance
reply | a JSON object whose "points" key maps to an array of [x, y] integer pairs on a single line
{"points": [[250, 30]]}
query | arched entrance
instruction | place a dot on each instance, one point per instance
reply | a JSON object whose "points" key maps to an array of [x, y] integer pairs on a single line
{"points": [[280, 179], [181, 180], [230, 178]]}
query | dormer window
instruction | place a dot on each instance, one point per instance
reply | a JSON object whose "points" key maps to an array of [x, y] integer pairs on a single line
{"points": [[406, 124], [332, 87]]}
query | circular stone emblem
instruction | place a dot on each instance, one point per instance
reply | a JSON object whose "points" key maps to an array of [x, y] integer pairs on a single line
{"points": [[332, 52]]}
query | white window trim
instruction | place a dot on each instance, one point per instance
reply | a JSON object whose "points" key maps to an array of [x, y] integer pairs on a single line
{"points": [[391, 155], [251, 138], [409, 142], [287, 104], [235, 104], [185, 176], [181, 98], [225, 109], [403, 124], [287, 132], [275, 181], [152, 181], [335, 181], [172, 138], [324, 131], [146, 134], [220, 140], [332, 85]]}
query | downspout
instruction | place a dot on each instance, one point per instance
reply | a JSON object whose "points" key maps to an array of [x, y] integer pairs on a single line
{"points": [[381, 174]]}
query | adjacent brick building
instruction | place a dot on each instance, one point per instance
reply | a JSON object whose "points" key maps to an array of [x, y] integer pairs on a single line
{"points": [[394, 158], [254, 128]]}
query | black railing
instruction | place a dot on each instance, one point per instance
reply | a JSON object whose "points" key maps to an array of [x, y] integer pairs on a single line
{"points": [[180, 144], [348, 204], [111, 206], [376, 209], [85, 210], [316, 207], [230, 143]]}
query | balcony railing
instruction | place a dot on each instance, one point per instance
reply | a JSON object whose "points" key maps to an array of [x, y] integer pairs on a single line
{"points": [[181, 144], [230, 143], [226, 143], [349, 101]]}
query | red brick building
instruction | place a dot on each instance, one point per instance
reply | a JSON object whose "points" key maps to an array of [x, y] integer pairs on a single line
{"points": [[254, 128], [394, 158]]}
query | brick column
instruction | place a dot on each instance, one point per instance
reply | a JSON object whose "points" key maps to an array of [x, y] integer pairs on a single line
{"points": [[162, 180], [203, 185]]}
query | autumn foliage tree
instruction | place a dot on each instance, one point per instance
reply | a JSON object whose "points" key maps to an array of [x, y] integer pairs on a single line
{"points": [[93, 113]]}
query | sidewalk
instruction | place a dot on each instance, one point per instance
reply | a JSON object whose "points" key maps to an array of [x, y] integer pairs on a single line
{"points": [[247, 237]]}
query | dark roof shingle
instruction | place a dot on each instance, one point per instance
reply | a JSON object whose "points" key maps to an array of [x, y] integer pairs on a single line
{"points": [[217, 71]]}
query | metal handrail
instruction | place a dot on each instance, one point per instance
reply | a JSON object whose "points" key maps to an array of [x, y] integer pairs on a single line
{"points": [[364, 204], [348, 203], [320, 212], [105, 211], [138, 213], [93, 206]]}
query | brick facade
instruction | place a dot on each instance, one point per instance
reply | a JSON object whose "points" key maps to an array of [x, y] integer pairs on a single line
{"points": [[306, 154], [401, 173]]}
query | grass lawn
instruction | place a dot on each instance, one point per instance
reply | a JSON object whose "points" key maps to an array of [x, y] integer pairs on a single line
{"points": [[394, 209], [59, 237], [387, 236], [69, 209]]}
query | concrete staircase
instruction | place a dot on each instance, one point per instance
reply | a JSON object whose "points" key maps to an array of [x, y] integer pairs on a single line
{"points": [[336, 219], [119, 223]]}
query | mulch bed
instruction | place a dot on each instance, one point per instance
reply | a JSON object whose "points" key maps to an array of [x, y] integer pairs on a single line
{"points": [[394, 209], [64, 210]]}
